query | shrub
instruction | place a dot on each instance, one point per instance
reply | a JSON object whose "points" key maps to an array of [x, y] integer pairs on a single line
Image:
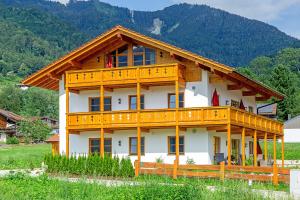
{"points": [[12, 140], [159, 160], [90, 165], [190, 161]]}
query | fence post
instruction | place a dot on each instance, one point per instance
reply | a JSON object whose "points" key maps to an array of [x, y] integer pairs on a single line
{"points": [[175, 169], [275, 174], [136, 167], [222, 171]]}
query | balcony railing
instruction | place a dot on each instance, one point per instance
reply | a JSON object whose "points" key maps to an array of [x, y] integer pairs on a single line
{"points": [[167, 118], [125, 75]]}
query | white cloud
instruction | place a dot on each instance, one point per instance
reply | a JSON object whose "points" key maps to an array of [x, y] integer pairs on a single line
{"points": [[265, 10]]}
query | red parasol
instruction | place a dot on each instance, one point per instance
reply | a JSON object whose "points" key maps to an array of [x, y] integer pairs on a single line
{"points": [[109, 61], [215, 99]]}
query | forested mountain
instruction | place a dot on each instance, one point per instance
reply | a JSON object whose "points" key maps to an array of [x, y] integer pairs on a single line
{"points": [[35, 32], [210, 32]]}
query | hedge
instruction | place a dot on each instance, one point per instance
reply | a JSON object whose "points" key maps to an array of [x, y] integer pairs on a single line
{"points": [[90, 165]]}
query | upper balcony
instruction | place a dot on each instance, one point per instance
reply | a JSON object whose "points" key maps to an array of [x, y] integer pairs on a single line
{"points": [[124, 76], [187, 117]]}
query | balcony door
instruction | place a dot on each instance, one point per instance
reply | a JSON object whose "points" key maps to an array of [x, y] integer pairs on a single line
{"points": [[235, 149]]}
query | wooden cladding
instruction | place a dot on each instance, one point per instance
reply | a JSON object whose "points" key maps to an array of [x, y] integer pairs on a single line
{"points": [[126, 75], [167, 118]]}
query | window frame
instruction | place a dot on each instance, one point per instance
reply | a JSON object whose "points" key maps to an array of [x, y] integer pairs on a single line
{"points": [[169, 145], [105, 97], [115, 57], [129, 102], [143, 53], [135, 154], [90, 146], [169, 99]]}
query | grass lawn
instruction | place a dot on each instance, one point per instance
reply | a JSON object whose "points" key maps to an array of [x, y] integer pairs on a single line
{"points": [[23, 156], [291, 150], [22, 187]]}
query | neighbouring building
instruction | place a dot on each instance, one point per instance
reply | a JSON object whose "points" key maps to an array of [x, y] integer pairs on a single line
{"points": [[127, 94], [292, 130], [8, 121]]}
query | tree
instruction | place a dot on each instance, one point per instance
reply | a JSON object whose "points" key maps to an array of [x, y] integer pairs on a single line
{"points": [[34, 130], [284, 81]]}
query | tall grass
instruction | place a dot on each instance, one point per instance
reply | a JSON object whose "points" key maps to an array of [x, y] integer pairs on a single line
{"points": [[22, 187]]}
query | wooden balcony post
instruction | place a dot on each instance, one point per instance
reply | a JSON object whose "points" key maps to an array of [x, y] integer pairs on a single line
{"points": [[67, 121], [138, 98], [102, 142], [282, 151], [177, 121], [274, 148], [255, 148], [243, 146], [266, 147], [229, 144], [102, 129], [139, 144], [275, 174]]}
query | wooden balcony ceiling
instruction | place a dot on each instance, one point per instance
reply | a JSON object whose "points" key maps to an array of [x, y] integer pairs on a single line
{"points": [[49, 76]]}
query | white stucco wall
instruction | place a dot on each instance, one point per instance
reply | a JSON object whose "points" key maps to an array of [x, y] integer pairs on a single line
{"points": [[227, 95], [292, 135], [198, 142]]}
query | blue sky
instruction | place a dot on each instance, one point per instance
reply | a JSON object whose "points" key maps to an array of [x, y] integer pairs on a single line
{"points": [[284, 14]]}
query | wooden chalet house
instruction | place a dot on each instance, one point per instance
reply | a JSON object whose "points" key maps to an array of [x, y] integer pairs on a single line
{"points": [[8, 124], [127, 94]]}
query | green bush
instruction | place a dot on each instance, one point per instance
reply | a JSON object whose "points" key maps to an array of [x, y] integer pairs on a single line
{"points": [[12, 140], [90, 165]]}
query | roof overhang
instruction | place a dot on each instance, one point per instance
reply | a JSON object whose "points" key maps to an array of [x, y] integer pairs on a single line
{"points": [[49, 76]]}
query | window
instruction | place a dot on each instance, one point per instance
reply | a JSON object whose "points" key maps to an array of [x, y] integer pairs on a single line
{"points": [[95, 146], [250, 147], [133, 145], [143, 56], [94, 104], [235, 103], [133, 102], [217, 145], [250, 109], [172, 145], [118, 58], [172, 100], [107, 103]]}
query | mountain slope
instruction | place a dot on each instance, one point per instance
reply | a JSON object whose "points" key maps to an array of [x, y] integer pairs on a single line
{"points": [[210, 32]]}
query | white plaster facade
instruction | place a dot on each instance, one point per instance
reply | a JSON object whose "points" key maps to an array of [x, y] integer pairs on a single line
{"points": [[198, 142], [292, 130]]}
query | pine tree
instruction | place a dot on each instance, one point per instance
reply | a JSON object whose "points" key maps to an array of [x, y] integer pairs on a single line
{"points": [[284, 81]]}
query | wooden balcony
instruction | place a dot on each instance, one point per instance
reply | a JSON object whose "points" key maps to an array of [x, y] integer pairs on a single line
{"points": [[187, 117], [151, 74]]}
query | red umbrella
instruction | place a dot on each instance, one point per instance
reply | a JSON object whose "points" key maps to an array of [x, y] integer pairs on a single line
{"points": [[242, 105], [215, 99]]}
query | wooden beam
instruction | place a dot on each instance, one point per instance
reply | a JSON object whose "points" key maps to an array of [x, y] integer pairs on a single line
{"points": [[183, 129], [243, 146], [255, 148], [108, 131], [75, 64], [234, 87], [108, 89], [145, 130], [144, 87], [262, 98], [67, 122], [74, 91], [229, 144], [75, 133], [265, 147], [102, 142], [274, 148], [282, 151], [249, 93], [215, 128]]}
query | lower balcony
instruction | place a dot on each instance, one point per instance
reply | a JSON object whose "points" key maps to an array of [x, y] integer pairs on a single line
{"points": [[160, 118]]}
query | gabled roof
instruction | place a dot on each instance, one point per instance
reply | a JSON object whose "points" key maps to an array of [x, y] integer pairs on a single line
{"points": [[47, 77], [11, 116]]}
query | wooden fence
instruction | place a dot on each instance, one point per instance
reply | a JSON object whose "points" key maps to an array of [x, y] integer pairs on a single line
{"points": [[222, 171]]}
